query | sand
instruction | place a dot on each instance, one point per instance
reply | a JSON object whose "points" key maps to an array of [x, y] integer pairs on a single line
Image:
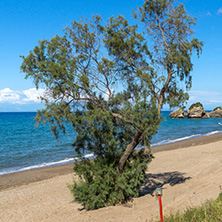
{"points": [[188, 175]]}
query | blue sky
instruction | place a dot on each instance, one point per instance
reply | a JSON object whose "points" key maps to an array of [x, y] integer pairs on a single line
{"points": [[24, 22]]}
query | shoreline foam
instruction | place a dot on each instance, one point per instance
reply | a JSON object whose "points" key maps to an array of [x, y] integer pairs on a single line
{"points": [[72, 160], [38, 174], [164, 142]]}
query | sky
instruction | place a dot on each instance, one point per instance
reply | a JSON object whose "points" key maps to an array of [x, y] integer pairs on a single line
{"points": [[24, 22]]}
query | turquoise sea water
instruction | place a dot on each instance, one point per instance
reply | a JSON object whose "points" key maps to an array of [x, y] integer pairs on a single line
{"points": [[24, 146]]}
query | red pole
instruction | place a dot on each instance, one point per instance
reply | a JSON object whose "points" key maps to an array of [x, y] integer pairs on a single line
{"points": [[161, 210]]}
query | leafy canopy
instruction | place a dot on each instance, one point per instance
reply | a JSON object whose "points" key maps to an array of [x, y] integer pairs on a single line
{"points": [[110, 113], [163, 52], [109, 82]]}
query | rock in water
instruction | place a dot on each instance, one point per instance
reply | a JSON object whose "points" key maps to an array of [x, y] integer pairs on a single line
{"points": [[196, 110], [206, 115], [216, 114], [179, 113]]}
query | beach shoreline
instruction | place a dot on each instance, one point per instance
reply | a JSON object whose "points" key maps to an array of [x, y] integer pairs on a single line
{"points": [[189, 172], [34, 175]]}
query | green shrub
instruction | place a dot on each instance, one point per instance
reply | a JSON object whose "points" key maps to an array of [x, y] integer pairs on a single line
{"points": [[102, 182], [198, 104], [218, 108], [101, 185]]}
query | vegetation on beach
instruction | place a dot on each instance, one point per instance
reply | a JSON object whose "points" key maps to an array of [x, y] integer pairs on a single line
{"points": [[103, 185], [110, 110], [209, 211], [109, 82]]}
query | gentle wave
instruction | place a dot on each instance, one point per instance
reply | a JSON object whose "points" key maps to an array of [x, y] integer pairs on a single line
{"points": [[38, 166], [163, 142], [91, 155]]}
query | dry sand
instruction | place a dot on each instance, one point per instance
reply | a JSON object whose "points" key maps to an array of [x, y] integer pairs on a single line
{"points": [[188, 177]]}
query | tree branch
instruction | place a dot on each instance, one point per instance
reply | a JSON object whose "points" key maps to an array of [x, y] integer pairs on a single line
{"points": [[129, 150], [125, 120]]}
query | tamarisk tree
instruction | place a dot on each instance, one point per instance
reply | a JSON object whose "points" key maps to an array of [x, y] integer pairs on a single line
{"points": [[109, 82], [110, 115], [168, 31]]}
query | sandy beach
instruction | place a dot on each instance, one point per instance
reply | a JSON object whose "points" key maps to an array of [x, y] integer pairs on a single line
{"points": [[188, 171]]}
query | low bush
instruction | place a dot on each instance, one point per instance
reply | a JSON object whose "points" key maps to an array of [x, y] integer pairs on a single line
{"points": [[198, 104], [218, 108], [101, 185]]}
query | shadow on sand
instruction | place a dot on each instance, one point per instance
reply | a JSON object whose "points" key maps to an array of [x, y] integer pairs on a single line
{"points": [[154, 181]]}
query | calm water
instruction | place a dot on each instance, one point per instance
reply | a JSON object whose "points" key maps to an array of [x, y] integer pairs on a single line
{"points": [[24, 146]]}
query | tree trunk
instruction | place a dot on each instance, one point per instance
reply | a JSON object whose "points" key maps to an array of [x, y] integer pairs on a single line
{"points": [[129, 150], [163, 90], [160, 104]]}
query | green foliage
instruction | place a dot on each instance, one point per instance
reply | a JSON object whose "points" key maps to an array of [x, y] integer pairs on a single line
{"points": [[162, 54], [209, 211], [108, 82], [218, 108], [102, 133], [175, 98], [101, 185], [110, 114], [198, 104], [100, 182]]}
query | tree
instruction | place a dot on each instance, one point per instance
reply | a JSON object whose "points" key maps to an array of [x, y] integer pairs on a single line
{"points": [[109, 84], [169, 47], [110, 115]]}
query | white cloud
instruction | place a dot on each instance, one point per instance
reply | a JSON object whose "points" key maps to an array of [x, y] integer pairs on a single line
{"points": [[204, 93], [9, 95], [209, 99], [219, 11], [21, 97], [33, 94], [209, 14]]}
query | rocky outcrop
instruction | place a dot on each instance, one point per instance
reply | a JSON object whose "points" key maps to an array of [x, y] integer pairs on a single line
{"points": [[179, 113], [196, 110], [216, 114], [218, 108], [206, 115]]}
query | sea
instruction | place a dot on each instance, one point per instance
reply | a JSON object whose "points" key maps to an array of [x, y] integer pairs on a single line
{"points": [[24, 146]]}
